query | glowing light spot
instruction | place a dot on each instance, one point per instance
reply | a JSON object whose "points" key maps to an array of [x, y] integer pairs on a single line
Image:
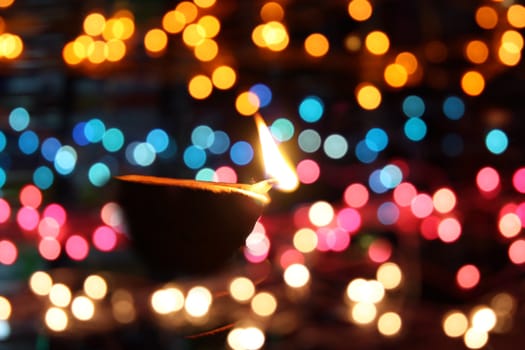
{"points": [[389, 274], [308, 171], [221, 142], [49, 248], [60, 295], [360, 10], [390, 176], [483, 319], [518, 180], [123, 308], [56, 319], [206, 50], [468, 276], [404, 193], [257, 246], [210, 24], [415, 129], [365, 291], [316, 45], [376, 139], [194, 157], [368, 96], [388, 213], [94, 130], [275, 36], [247, 103], [449, 230], [473, 83], [321, 213], [335, 146], [309, 140], [5, 210], [413, 106], [389, 324], [380, 250], [113, 140], [516, 15], [8, 252], [510, 225], [5, 330], [422, 205], [363, 313], [225, 174], [377, 42], [48, 227], [57, 212], [305, 240], [95, 287], [251, 338], [27, 218], [374, 182], [65, 160], [296, 275], [200, 87], [5, 308], [311, 109], [487, 179], [282, 129], [77, 247], [241, 153], [99, 174], [104, 238], [496, 141], [477, 51], [143, 154], [19, 119], [486, 17], [453, 107], [271, 11], [408, 61], [173, 22], [198, 301], [241, 289], [28, 142], [395, 75], [455, 323], [516, 251], [444, 200], [40, 283], [264, 304], [94, 24], [83, 308], [155, 40], [167, 300], [356, 195], [194, 35]]}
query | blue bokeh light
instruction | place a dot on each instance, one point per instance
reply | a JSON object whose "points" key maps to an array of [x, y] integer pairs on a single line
{"points": [[3, 177], [391, 176], [113, 140], [365, 154], [415, 129], [388, 213], [49, 148], [19, 119], [99, 174], [78, 134], [496, 141], [194, 157], [263, 92], [376, 139], [241, 153], [65, 160], [335, 146], [221, 142], [94, 130], [159, 139], [202, 136], [205, 174], [282, 129], [28, 142], [453, 107], [374, 182], [144, 154], [43, 177], [311, 109], [3, 141], [413, 106]]}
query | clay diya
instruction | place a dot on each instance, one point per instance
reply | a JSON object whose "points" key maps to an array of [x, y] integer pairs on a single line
{"points": [[182, 227]]}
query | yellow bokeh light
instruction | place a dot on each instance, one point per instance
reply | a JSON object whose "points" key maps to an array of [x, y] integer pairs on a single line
{"points": [[247, 103], [123, 308], [128, 28], [272, 11], [95, 287], [486, 17], [363, 313], [97, 52], [60, 295], [444, 200], [408, 60], [503, 304], [155, 40], [6, 3], [366, 291], [377, 42], [200, 87], [389, 324], [116, 50], [476, 51], [360, 10], [94, 24], [275, 36], [240, 338], [395, 75], [56, 319], [167, 300], [223, 77], [113, 29], [11, 46], [512, 41], [207, 50], [40, 283], [516, 15], [188, 9], [263, 304], [509, 58], [475, 339], [173, 22], [316, 45], [455, 323], [368, 96], [198, 301], [353, 43], [296, 275], [211, 25], [193, 35], [83, 308], [257, 36], [82, 45], [5, 308], [242, 289], [472, 83], [305, 240], [389, 275], [483, 319], [321, 213], [204, 3], [509, 225]]}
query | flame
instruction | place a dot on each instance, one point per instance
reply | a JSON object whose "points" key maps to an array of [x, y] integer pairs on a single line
{"points": [[276, 166]]}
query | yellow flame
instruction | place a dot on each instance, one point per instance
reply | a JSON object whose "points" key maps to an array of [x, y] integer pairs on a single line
{"points": [[276, 166]]}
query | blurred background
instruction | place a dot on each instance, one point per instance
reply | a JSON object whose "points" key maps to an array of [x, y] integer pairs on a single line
{"points": [[401, 120]]}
